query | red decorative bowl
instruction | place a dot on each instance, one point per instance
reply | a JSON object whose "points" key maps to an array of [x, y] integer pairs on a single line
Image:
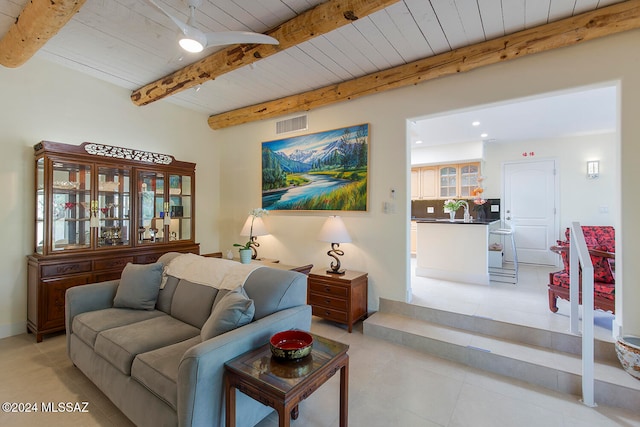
{"points": [[291, 345]]}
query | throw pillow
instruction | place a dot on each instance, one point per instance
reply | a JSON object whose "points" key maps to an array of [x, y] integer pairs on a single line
{"points": [[233, 310], [139, 286]]}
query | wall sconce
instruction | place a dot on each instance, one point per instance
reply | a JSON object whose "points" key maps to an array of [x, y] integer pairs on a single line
{"points": [[334, 231], [593, 169], [259, 229]]}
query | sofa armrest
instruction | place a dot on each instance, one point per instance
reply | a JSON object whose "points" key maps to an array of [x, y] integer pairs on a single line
{"points": [[201, 371], [80, 299]]}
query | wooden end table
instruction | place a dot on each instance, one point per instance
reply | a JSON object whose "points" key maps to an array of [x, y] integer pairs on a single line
{"points": [[340, 298], [282, 385]]}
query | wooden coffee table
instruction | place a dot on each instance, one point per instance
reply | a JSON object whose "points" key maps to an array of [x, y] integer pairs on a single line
{"points": [[282, 385]]}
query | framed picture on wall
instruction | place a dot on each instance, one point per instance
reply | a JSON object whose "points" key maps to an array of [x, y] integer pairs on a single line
{"points": [[327, 170]]}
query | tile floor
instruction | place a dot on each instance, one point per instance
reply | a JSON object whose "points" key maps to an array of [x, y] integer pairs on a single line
{"points": [[390, 386], [525, 303]]}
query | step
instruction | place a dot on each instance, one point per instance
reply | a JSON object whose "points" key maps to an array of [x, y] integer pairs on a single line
{"points": [[561, 341], [540, 365]]}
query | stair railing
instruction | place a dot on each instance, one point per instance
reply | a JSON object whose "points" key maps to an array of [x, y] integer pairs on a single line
{"points": [[578, 253]]}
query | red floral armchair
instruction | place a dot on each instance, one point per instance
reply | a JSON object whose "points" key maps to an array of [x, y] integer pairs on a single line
{"points": [[600, 241]]}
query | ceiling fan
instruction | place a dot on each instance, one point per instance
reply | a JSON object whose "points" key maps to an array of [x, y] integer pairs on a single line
{"points": [[193, 40]]}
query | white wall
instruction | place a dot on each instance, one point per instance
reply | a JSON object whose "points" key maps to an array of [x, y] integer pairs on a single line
{"points": [[43, 101], [581, 198], [380, 241], [447, 153]]}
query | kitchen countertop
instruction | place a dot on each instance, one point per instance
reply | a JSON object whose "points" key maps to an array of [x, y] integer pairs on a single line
{"points": [[457, 221]]}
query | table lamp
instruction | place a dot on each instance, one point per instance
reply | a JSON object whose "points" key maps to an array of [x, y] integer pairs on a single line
{"points": [[259, 229], [334, 231]]}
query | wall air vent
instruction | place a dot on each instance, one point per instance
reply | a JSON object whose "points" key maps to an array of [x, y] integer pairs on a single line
{"points": [[291, 125]]}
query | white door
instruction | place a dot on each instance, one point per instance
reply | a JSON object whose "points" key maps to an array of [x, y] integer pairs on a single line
{"points": [[529, 196]]}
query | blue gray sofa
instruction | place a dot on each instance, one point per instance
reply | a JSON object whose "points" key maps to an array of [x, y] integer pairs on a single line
{"points": [[155, 362]]}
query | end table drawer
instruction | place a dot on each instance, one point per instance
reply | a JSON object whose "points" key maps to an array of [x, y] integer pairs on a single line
{"points": [[327, 301], [330, 314], [324, 288]]}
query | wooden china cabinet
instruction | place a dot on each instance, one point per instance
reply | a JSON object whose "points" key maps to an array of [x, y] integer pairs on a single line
{"points": [[97, 208]]}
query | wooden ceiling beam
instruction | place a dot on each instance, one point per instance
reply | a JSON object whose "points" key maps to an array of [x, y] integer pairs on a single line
{"points": [[580, 28], [316, 21], [39, 21]]}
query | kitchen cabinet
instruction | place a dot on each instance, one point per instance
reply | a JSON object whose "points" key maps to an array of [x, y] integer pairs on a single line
{"points": [[97, 208], [424, 182], [457, 181], [444, 181]]}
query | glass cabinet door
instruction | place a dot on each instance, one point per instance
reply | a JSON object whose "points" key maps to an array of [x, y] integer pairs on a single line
{"points": [[71, 197], [180, 209], [468, 179], [448, 184], [112, 208], [40, 202], [150, 207]]}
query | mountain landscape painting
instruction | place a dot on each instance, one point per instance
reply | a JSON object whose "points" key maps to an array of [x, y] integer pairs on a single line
{"points": [[321, 171]]}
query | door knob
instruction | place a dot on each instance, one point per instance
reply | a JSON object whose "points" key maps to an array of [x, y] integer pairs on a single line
{"points": [[508, 218]]}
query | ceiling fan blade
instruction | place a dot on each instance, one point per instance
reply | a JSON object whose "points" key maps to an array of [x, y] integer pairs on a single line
{"points": [[182, 25], [221, 38]]}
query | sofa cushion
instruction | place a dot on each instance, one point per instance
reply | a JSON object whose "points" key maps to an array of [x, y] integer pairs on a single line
{"points": [[165, 296], [139, 286], [88, 325], [119, 346], [273, 290], [600, 289], [233, 310], [192, 302], [157, 370]]}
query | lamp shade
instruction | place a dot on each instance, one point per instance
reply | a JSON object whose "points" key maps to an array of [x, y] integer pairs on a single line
{"points": [[259, 228], [334, 231]]}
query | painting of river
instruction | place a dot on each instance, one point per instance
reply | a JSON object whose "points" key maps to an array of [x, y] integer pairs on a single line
{"points": [[320, 171]]}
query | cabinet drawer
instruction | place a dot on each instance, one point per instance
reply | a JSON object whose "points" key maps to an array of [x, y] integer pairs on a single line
{"points": [[327, 289], [330, 314], [328, 302], [147, 258], [53, 298], [103, 277], [112, 263], [66, 268]]}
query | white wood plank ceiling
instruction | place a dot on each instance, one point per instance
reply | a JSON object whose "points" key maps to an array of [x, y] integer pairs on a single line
{"points": [[129, 43]]}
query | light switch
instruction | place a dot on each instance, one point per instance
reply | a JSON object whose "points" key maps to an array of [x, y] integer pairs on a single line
{"points": [[430, 209]]}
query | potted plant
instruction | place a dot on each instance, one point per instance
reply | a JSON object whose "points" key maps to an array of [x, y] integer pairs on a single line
{"points": [[452, 206], [245, 249]]}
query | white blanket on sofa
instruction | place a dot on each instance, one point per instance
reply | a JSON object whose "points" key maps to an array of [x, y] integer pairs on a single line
{"points": [[216, 272]]}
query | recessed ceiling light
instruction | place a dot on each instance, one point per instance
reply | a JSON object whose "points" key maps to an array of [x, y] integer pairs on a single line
{"points": [[476, 123], [484, 135], [419, 142]]}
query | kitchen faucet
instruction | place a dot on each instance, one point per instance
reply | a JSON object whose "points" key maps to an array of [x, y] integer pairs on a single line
{"points": [[467, 217]]}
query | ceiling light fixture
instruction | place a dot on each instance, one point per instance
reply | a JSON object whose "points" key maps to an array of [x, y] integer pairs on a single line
{"points": [[191, 45], [419, 141], [476, 123], [193, 40], [484, 135]]}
